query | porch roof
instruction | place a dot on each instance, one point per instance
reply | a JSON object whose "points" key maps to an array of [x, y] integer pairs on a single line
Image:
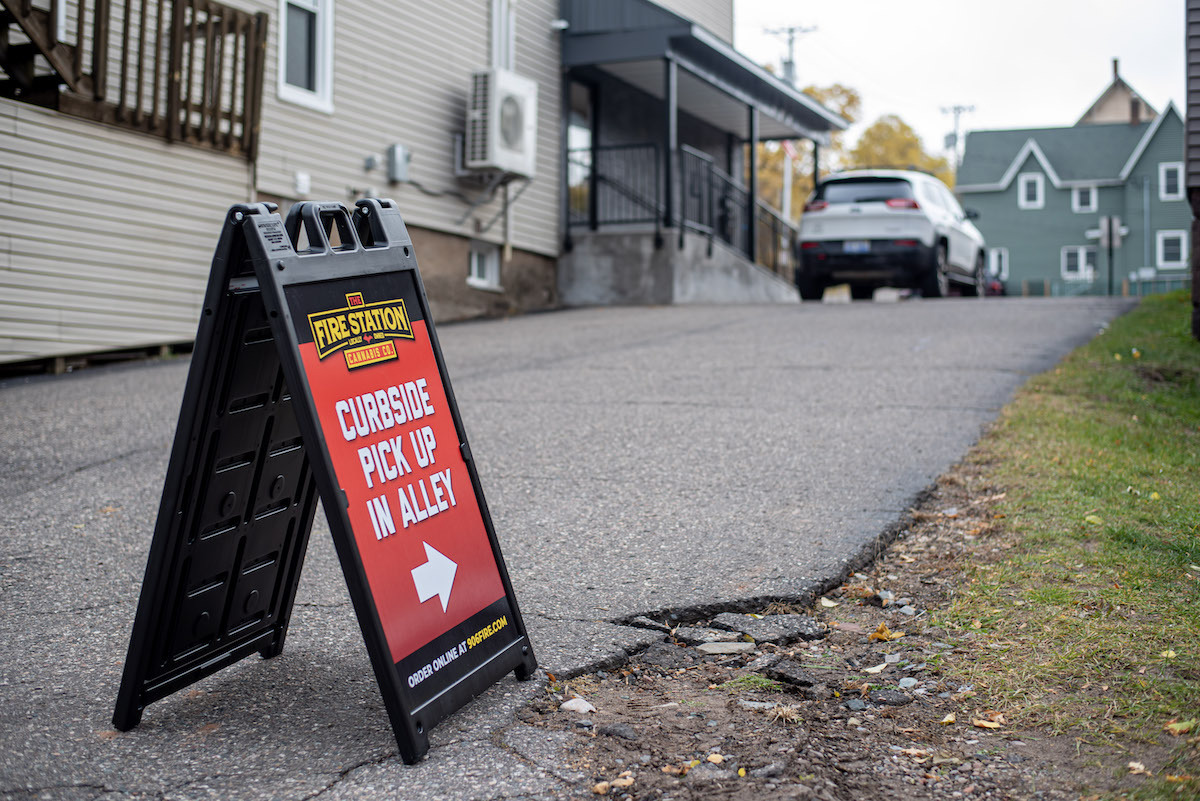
{"points": [[630, 39]]}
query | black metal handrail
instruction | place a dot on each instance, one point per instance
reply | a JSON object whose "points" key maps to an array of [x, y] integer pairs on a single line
{"points": [[623, 186]]}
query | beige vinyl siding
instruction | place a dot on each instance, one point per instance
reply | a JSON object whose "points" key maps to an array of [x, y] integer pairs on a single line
{"points": [[402, 72], [107, 235], [715, 16]]}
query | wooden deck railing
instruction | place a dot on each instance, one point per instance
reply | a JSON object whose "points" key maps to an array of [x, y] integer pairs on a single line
{"points": [[186, 70]]}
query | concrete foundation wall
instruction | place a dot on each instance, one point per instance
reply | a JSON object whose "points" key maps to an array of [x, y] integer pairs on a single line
{"points": [[623, 267], [526, 281]]}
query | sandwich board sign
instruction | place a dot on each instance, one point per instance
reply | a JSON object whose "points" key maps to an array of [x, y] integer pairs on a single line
{"points": [[317, 375]]}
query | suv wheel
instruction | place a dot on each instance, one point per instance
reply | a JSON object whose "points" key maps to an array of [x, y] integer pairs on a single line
{"points": [[810, 288], [978, 285], [936, 283]]}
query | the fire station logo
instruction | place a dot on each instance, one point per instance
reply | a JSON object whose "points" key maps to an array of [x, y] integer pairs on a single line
{"points": [[364, 332]]}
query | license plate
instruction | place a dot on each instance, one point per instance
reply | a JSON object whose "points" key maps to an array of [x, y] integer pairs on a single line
{"points": [[856, 246]]}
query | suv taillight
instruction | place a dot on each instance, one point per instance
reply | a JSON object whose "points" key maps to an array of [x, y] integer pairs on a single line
{"points": [[816, 205], [902, 203]]}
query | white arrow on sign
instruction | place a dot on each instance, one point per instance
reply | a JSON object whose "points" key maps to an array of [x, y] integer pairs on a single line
{"points": [[435, 577]]}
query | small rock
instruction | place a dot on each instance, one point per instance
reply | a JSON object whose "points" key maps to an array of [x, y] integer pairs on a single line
{"points": [[584, 723], [643, 622], [780, 629], [697, 635], [856, 705], [767, 771], [907, 682], [667, 656], [891, 659], [890, 697], [763, 662], [853, 722], [790, 671], [817, 692], [708, 772], [908, 610], [745, 704], [725, 647], [577, 705], [885, 597], [622, 730], [903, 601]]}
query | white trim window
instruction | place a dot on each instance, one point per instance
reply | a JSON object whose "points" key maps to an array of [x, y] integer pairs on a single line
{"points": [[1031, 190], [998, 263], [1083, 199], [483, 266], [1170, 180], [306, 53], [1078, 262], [1172, 249]]}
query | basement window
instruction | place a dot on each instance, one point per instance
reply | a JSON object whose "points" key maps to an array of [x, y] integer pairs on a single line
{"points": [[483, 266]]}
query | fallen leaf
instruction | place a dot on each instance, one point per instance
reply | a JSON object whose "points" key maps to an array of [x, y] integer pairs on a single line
{"points": [[994, 716], [672, 770], [108, 510], [1117, 356], [1154, 496], [1186, 777], [946, 721], [742, 772], [985, 724], [1138, 769], [716, 759], [914, 752], [1095, 520], [626, 781], [1180, 727], [975, 624], [108, 734], [551, 677], [1168, 654], [876, 669], [601, 788], [828, 604], [858, 591], [884, 634]]}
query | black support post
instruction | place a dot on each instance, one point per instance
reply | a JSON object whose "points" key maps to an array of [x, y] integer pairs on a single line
{"points": [[752, 182], [671, 137]]}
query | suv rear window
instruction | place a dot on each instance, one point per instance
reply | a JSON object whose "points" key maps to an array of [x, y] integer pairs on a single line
{"points": [[864, 190]]}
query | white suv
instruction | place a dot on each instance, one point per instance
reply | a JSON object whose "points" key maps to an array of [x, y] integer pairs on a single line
{"points": [[872, 228]]}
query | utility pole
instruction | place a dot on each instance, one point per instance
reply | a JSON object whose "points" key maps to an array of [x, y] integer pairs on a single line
{"points": [[952, 139], [791, 32], [789, 75]]}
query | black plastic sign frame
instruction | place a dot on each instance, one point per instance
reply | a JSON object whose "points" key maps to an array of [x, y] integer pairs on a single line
{"points": [[371, 423]]}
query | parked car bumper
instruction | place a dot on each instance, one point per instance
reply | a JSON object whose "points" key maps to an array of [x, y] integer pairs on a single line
{"points": [[887, 263]]}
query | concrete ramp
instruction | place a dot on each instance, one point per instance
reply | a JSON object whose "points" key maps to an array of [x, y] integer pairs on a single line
{"points": [[616, 267]]}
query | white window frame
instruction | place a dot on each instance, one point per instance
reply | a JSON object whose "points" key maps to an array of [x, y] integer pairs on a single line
{"points": [[1160, 238], [1163, 169], [320, 99], [1038, 180], [1077, 206], [486, 256], [1087, 272], [998, 263]]}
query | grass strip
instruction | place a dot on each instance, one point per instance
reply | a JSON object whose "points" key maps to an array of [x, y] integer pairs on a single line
{"points": [[1091, 622]]}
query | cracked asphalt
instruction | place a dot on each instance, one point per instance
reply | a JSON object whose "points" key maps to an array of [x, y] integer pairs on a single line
{"points": [[636, 461]]}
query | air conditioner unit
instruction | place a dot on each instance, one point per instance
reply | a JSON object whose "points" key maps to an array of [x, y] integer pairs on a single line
{"points": [[502, 123]]}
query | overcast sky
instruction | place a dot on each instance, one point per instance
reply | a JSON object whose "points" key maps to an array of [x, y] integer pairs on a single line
{"points": [[1020, 63]]}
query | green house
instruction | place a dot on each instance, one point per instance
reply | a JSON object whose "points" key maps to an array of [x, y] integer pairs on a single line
{"points": [[1041, 194]]}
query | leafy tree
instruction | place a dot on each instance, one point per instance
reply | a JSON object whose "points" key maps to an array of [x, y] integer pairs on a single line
{"points": [[771, 158], [891, 142]]}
